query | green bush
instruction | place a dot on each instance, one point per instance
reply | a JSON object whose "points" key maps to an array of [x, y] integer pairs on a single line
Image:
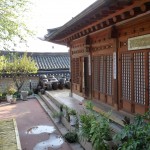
{"points": [[11, 90], [17, 94], [71, 137], [86, 123], [30, 92], [136, 135], [100, 131], [72, 112]]}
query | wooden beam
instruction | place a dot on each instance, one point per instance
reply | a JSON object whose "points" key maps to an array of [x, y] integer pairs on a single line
{"points": [[102, 25], [114, 19], [96, 27], [132, 12], [143, 8], [87, 31], [135, 11], [107, 22], [126, 11], [122, 16], [92, 29]]}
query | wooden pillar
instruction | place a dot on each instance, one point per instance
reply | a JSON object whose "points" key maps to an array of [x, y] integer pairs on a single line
{"points": [[88, 49], [114, 35], [132, 84], [146, 82], [71, 77]]}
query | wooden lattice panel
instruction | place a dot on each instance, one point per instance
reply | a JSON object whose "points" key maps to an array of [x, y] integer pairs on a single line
{"points": [[126, 76], [96, 73], [102, 74], [75, 70], [139, 78], [109, 74]]}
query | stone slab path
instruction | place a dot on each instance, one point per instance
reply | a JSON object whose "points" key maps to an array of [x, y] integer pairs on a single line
{"points": [[29, 114]]}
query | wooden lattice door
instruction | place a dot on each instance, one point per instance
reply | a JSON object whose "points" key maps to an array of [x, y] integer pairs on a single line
{"points": [[86, 77], [102, 78], [134, 81], [96, 77]]}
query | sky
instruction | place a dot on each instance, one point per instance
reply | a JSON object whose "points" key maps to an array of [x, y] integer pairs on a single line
{"points": [[47, 14]]}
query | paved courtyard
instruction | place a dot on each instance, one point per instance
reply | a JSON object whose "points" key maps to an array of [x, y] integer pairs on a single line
{"points": [[30, 114]]}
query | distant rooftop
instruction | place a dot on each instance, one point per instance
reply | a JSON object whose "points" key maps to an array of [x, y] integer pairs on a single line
{"points": [[49, 61]]}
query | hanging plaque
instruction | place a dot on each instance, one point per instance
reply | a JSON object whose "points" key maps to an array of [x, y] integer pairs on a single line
{"points": [[140, 42]]}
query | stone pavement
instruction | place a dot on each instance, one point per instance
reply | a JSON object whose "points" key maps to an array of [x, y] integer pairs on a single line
{"points": [[29, 114], [63, 96]]}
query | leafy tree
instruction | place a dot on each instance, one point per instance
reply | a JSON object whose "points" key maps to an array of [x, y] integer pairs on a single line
{"points": [[12, 21], [2, 63], [19, 67]]}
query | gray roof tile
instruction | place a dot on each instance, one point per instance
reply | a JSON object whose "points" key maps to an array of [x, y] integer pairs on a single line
{"points": [[49, 61]]}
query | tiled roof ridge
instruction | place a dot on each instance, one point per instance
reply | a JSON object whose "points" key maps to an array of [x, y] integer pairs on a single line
{"points": [[37, 53], [48, 61]]}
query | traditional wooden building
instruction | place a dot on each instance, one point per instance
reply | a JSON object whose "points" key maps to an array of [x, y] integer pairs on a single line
{"points": [[110, 53]]}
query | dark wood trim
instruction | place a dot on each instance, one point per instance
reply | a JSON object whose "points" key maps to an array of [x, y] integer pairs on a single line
{"points": [[132, 84], [115, 81], [147, 81], [120, 101]]}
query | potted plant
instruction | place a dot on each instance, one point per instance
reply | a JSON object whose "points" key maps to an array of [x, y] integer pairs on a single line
{"points": [[30, 92], [13, 100], [3, 96], [24, 95], [10, 91], [42, 91], [71, 137], [85, 125], [65, 110], [57, 116], [17, 95], [73, 117]]}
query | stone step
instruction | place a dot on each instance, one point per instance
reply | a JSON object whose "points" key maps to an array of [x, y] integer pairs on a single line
{"points": [[54, 100], [63, 127], [116, 122], [49, 103]]}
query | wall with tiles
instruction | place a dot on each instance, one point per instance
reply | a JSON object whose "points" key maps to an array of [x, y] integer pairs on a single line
{"points": [[5, 82]]}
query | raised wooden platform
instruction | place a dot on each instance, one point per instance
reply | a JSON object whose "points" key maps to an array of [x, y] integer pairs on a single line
{"points": [[9, 137]]}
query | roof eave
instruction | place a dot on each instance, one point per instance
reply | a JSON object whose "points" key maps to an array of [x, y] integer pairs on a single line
{"points": [[84, 13]]}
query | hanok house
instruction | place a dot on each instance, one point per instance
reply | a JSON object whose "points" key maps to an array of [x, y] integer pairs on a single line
{"points": [[56, 64], [110, 53]]}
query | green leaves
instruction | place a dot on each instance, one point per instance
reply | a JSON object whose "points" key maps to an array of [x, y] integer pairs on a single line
{"points": [[86, 122], [95, 129], [136, 135], [100, 131], [2, 63], [17, 66], [12, 21]]}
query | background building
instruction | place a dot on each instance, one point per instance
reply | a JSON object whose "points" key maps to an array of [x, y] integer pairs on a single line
{"points": [[57, 64]]}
